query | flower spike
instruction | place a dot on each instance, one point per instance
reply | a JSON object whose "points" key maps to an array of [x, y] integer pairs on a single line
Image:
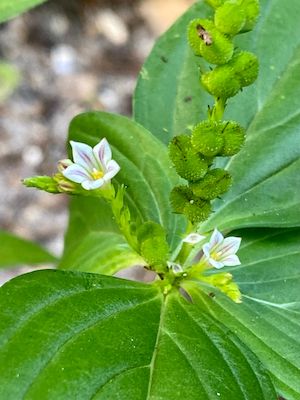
{"points": [[92, 167]]}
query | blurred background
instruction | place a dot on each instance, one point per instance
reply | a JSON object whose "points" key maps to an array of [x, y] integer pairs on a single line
{"points": [[57, 60]]}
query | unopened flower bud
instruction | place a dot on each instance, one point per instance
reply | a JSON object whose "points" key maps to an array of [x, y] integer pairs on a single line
{"points": [[215, 183], [188, 163], [63, 164], [207, 41]]}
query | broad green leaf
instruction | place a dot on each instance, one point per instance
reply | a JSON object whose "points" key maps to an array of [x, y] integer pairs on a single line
{"points": [[15, 251], [94, 242], [11, 8], [145, 170], [266, 190], [75, 335], [268, 320]]}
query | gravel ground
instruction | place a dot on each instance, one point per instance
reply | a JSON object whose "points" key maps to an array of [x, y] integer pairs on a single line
{"points": [[72, 55]]}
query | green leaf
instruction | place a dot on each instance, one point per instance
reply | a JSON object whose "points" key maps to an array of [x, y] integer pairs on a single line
{"points": [[11, 8], [266, 189], [145, 170], [268, 320], [75, 335], [16, 251]]}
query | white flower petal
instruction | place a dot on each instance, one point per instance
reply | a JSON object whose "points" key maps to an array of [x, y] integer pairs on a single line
{"points": [[230, 246], [112, 169], [193, 238], [102, 152], [83, 155], [206, 250], [215, 264], [76, 173], [216, 238], [231, 261], [91, 184]]}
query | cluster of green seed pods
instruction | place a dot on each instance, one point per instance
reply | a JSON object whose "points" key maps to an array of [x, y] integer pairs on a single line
{"points": [[231, 70]]}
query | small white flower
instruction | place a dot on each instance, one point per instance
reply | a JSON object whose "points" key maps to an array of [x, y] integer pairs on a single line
{"points": [[193, 238], [92, 167], [177, 268], [220, 252]]}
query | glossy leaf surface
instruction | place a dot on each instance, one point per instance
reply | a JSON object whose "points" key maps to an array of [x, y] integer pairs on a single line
{"points": [[87, 336], [268, 320]]}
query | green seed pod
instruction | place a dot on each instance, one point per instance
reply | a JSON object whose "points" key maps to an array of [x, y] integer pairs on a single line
{"points": [[148, 230], [179, 197], [215, 183], [197, 210], [206, 41], [207, 138], [251, 9], [221, 82], [234, 138], [185, 202], [230, 18], [155, 251], [215, 3], [188, 164], [245, 67]]}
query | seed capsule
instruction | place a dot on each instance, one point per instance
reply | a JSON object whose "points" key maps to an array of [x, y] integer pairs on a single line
{"points": [[221, 82], [207, 41], [188, 163], [234, 138], [215, 183], [207, 138], [251, 9], [230, 18]]}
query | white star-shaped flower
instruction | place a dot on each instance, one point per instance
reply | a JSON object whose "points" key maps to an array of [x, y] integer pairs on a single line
{"points": [[220, 252], [92, 167]]}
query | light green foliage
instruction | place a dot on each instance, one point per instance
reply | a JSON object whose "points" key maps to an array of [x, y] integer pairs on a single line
{"points": [[122, 340], [208, 42], [15, 251], [11, 8], [215, 183]]}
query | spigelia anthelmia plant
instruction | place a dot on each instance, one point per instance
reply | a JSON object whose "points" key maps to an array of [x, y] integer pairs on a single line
{"points": [[201, 192]]}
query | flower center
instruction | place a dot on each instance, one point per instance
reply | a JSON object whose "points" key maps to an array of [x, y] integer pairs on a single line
{"points": [[96, 174]]}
